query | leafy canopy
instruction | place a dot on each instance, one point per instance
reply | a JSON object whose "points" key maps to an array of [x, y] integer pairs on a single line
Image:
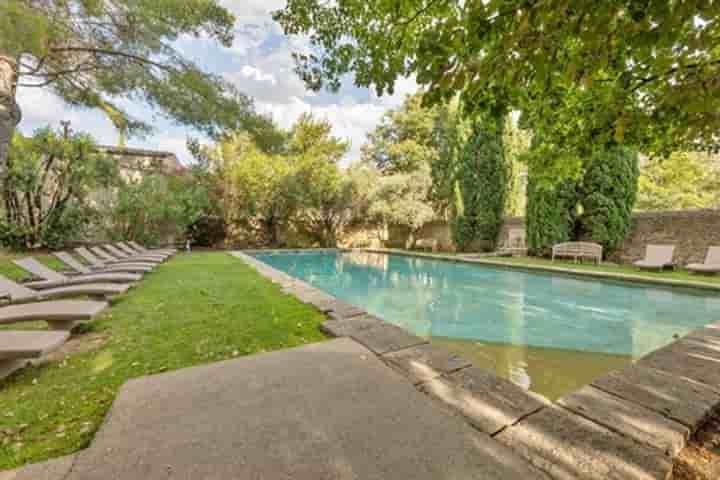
{"points": [[48, 187], [92, 53], [585, 72]]}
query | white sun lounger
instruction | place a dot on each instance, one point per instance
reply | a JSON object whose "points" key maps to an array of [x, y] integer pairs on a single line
{"points": [[17, 293], [59, 314], [51, 278], [142, 249], [102, 266], [117, 253], [657, 257], [17, 347], [112, 259], [711, 265]]}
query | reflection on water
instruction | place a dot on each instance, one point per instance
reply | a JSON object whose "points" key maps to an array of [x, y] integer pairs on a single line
{"points": [[551, 372], [546, 330]]}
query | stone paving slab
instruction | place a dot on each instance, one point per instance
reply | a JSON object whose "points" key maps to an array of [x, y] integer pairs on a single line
{"points": [[342, 310], [570, 447], [425, 362], [347, 328], [676, 397], [687, 358], [326, 411], [628, 419], [56, 469], [489, 403], [385, 338]]}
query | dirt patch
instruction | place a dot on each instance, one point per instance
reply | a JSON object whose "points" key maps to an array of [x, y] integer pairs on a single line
{"points": [[82, 343], [700, 460]]}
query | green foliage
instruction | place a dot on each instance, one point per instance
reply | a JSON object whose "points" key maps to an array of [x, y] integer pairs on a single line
{"points": [[47, 189], [632, 72], [607, 195], [404, 140], [299, 183], [551, 200], [402, 199], [91, 53], [158, 207], [481, 188], [683, 180]]}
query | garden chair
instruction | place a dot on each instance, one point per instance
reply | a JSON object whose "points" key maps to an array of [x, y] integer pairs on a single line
{"points": [[17, 293], [51, 278], [17, 347], [657, 257], [59, 314], [711, 265], [102, 266]]}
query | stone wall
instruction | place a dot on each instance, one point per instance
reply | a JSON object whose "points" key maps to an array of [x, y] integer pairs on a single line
{"points": [[691, 231]]}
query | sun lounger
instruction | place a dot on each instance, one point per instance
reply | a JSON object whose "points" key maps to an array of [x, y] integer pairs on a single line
{"points": [[711, 265], [81, 268], [101, 265], [118, 255], [657, 257], [51, 278], [142, 249], [17, 347], [59, 314], [17, 293], [132, 252]]}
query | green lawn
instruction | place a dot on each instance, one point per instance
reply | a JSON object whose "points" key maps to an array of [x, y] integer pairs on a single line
{"points": [[196, 308], [679, 274]]}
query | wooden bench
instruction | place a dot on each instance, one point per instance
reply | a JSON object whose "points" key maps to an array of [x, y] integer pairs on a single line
{"points": [[578, 250], [426, 244]]}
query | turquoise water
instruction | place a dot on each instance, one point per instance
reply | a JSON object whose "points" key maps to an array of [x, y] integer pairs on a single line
{"points": [[434, 298]]}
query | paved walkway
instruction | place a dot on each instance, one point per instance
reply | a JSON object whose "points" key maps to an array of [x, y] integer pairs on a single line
{"points": [[324, 411]]}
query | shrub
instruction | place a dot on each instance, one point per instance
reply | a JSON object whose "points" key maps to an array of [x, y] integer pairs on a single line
{"points": [[607, 195], [550, 215]]}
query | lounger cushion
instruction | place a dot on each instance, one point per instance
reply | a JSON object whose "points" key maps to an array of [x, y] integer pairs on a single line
{"points": [[59, 310], [29, 344]]}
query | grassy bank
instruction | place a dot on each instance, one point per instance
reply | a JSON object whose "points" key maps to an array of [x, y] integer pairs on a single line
{"points": [[196, 308], [679, 274]]}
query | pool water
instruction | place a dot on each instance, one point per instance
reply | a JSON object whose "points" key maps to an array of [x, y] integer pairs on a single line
{"points": [[547, 332]]}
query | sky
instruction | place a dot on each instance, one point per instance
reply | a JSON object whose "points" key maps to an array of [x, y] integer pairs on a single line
{"points": [[260, 65]]}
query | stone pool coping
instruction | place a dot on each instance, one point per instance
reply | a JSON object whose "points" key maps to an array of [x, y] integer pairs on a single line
{"points": [[623, 277], [627, 424]]}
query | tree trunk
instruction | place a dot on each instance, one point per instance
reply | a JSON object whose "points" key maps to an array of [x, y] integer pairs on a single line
{"points": [[9, 109]]}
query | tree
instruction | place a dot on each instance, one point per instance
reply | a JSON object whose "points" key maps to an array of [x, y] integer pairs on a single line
{"points": [[607, 195], [588, 72], [257, 192], [322, 194], [92, 53], [683, 180], [481, 187], [47, 188], [157, 207], [405, 138], [402, 199]]}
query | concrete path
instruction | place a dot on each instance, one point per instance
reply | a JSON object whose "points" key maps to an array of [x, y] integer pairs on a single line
{"points": [[331, 410]]}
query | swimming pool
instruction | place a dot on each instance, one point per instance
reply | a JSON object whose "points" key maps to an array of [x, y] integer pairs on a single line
{"points": [[508, 319]]}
